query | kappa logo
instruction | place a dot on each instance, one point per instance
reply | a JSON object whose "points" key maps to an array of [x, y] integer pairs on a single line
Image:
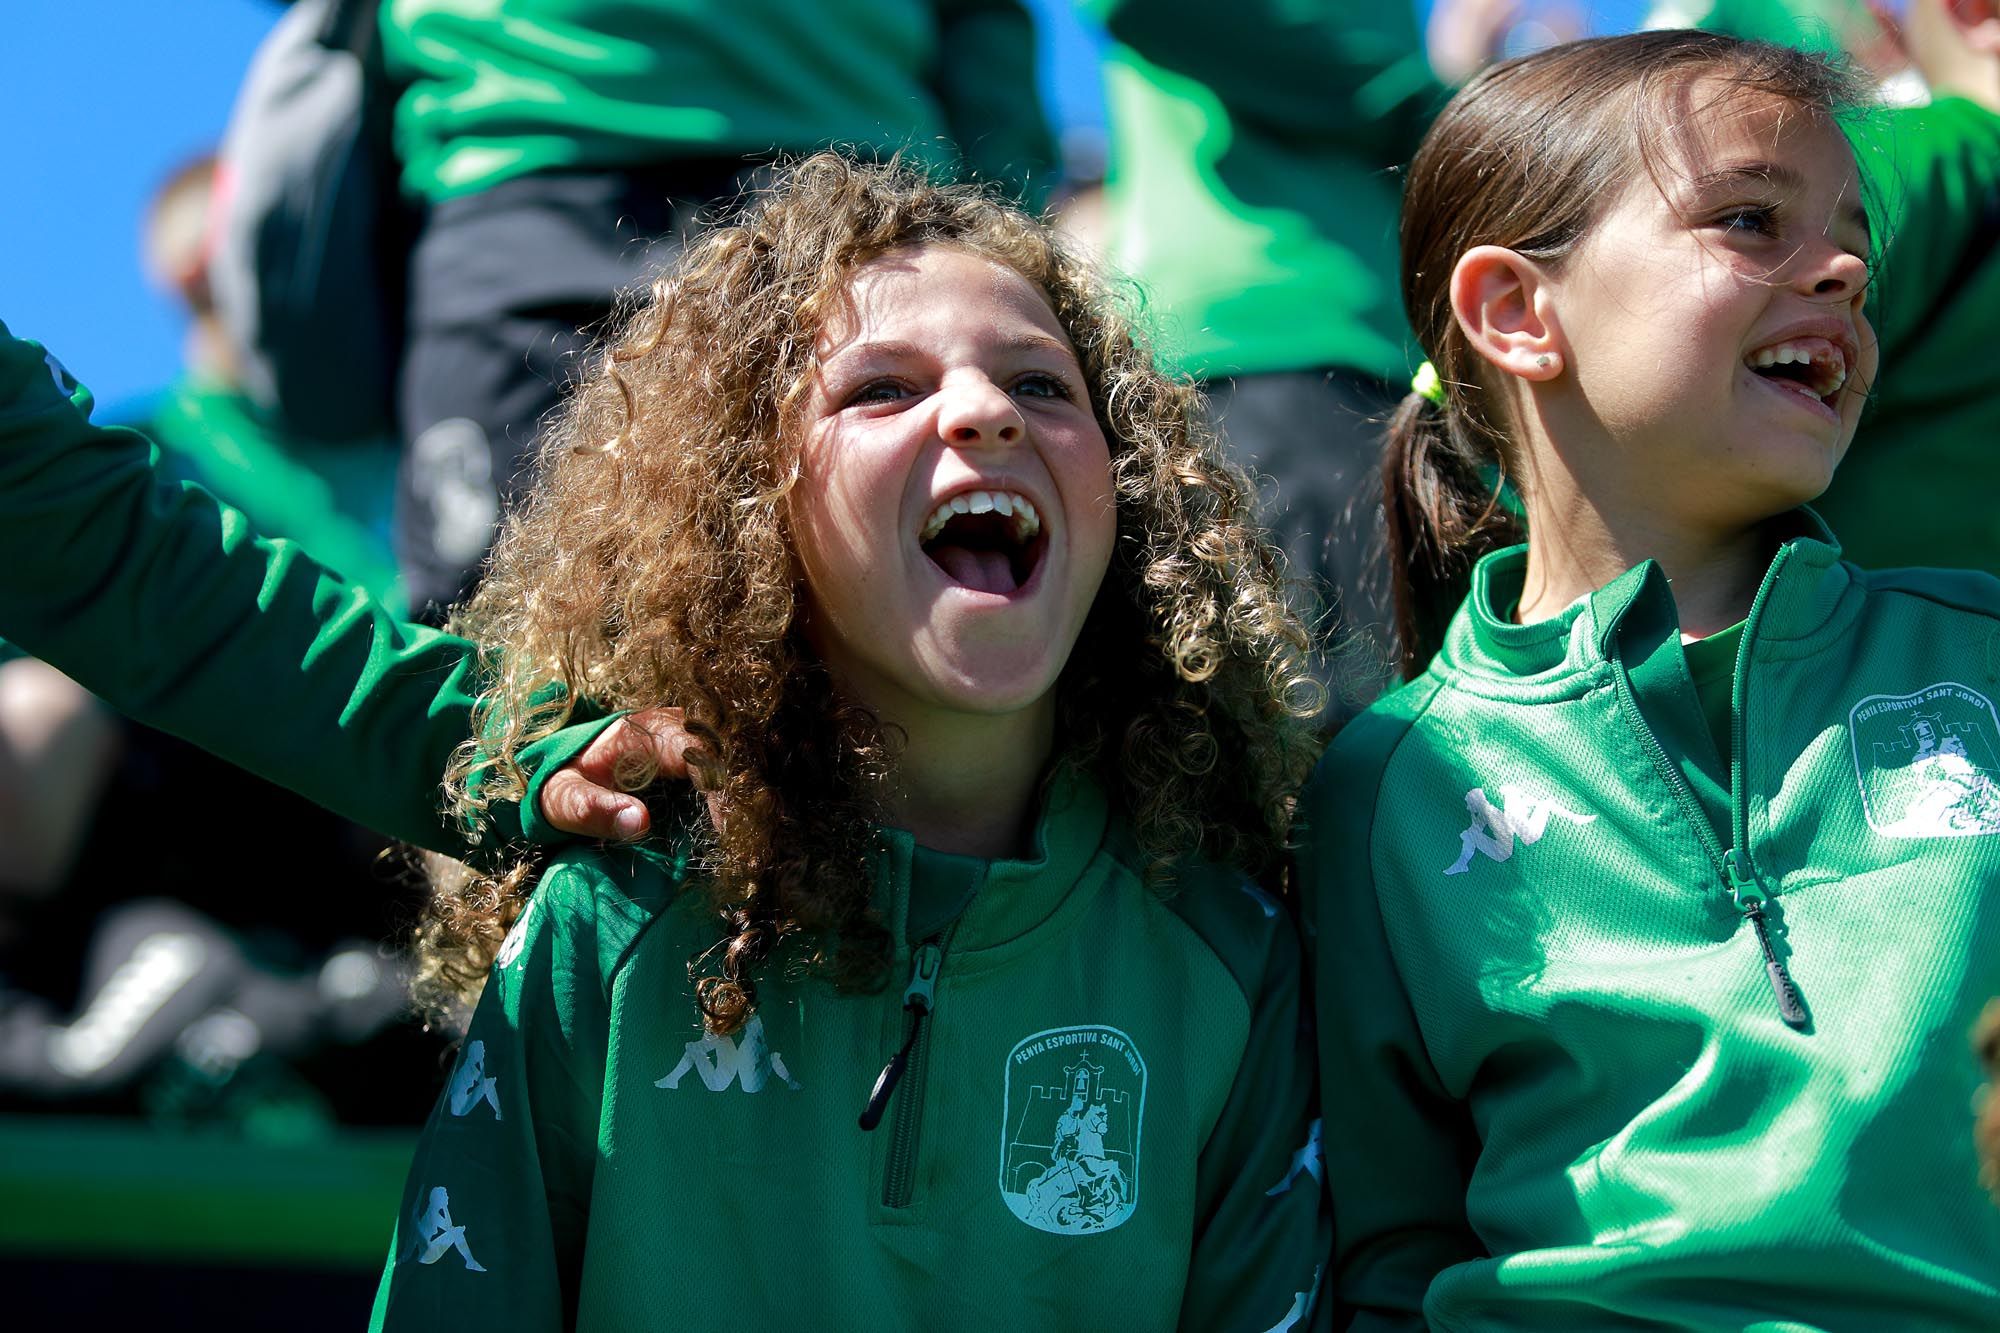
{"points": [[720, 1061], [1494, 830], [436, 1233], [517, 938], [1928, 762], [1074, 1106], [1309, 1160], [470, 1085], [65, 382]]}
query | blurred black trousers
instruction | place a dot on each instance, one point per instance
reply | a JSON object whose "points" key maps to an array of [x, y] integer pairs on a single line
{"points": [[1313, 439], [507, 288]]}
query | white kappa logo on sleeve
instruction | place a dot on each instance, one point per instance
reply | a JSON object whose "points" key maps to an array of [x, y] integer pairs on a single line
{"points": [[517, 938], [470, 1083], [436, 1234]]}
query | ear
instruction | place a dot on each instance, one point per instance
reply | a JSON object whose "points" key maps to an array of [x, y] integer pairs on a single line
{"points": [[1500, 299], [1978, 23]]}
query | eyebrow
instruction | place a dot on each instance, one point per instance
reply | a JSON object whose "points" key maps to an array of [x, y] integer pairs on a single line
{"points": [[1776, 173], [896, 350]]}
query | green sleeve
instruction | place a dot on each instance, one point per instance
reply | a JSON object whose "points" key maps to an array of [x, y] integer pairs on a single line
{"points": [[1260, 1202], [1399, 1148], [986, 83], [490, 1233], [162, 601], [1932, 178], [1322, 71]]}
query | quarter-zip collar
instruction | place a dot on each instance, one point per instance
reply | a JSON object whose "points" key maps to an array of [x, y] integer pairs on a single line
{"points": [[994, 902], [1807, 591]]}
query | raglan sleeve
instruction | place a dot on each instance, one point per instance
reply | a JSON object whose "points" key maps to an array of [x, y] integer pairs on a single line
{"points": [[1262, 1230], [986, 83], [491, 1227], [165, 603], [1399, 1149]]}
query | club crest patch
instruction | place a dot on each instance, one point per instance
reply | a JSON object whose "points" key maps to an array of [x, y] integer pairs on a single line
{"points": [[1928, 762], [1070, 1123]]}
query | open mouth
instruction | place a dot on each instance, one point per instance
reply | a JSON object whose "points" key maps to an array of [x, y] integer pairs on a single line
{"points": [[1814, 368], [988, 541]]}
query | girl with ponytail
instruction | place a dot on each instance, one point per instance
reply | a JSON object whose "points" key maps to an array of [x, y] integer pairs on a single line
{"points": [[1653, 911]]}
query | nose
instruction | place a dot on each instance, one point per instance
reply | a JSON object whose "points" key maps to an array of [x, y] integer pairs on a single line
{"points": [[1831, 272], [975, 412]]}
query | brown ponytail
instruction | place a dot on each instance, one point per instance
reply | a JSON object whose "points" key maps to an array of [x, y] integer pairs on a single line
{"points": [[1442, 513], [1525, 157]]}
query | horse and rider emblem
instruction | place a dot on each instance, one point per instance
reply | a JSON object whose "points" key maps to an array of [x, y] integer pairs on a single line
{"points": [[1069, 1152], [1928, 762]]}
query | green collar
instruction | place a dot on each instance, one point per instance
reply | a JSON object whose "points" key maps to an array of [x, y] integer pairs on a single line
{"points": [[994, 902], [1802, 592]]}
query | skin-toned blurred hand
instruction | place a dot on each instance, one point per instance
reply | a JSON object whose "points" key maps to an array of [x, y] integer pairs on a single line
{"points": [[1955, 45], [589, 797]]}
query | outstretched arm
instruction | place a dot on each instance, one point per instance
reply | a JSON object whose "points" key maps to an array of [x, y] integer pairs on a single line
{"points": [[162, 601]]}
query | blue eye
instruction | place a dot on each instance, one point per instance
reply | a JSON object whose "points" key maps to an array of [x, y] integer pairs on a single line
{"points": [[878, 391], [1039, 384], [1759, 220]]}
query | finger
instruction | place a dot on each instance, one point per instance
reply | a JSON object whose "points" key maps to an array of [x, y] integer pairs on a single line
{"points": [[664, 732], [574, 803]]}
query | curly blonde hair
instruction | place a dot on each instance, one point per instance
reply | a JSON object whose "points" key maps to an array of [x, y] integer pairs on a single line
{"points": [[651, 564]]}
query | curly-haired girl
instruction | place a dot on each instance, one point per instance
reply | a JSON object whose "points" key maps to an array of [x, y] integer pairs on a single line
{"points": [[993, 688]]}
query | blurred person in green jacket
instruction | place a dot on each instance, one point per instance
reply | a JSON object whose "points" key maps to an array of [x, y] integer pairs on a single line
{"points": [[550, 144], [1252, 187], [1913, 490]]}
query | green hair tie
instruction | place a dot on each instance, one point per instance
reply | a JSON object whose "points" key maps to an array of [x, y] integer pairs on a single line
{"points": [[1426, 385]]}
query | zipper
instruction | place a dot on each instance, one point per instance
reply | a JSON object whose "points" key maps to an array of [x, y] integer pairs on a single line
{"points": [[1733, 867], [909, 1065]]}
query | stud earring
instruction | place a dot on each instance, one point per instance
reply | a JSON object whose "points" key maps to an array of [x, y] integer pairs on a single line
{"points": [[1542, 361]]}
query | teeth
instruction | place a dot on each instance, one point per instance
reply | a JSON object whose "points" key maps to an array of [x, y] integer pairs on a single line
{"points": [[1826, 358], [1017, 507]]}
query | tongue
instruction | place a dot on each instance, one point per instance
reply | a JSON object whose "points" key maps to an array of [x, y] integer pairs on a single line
{"points": [[982, 571]]}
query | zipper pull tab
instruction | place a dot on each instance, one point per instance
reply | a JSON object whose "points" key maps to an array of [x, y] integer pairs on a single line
{"points": [[925, 965], [1750, 901], [918, 997]]}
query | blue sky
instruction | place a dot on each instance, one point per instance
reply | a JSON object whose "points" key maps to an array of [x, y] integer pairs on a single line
{"points": [[105, 98]]}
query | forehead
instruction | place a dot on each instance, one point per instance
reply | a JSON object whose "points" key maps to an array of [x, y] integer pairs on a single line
{"points": [[1711, 124], [938, 290]]}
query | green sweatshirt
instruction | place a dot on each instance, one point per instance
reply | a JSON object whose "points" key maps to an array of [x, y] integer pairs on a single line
{"points": [[1103, 1119], [1559, 1092], [1252, 182], [166, 604], [1909, 491], [557, 84]]}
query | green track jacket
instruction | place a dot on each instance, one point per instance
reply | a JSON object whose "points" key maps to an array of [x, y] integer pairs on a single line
{"points": [[552, 85], [166, 604], [1559, 1092], [1103, 1119]]}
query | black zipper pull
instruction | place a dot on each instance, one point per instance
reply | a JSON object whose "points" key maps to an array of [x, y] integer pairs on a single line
{"points": [[918, 997], [1750, 901]]}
